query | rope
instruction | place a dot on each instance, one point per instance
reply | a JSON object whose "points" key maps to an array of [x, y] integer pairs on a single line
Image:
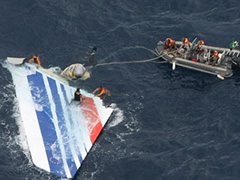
{"points": [[150, 50], [162, 62], [128, 48], [129, 62]]}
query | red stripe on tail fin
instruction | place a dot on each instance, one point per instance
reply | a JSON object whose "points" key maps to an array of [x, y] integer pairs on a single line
{"points": [[91, 115]]}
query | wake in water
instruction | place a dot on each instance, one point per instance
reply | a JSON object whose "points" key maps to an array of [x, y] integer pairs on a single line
{"points": [[8, 98], [118, 116]]}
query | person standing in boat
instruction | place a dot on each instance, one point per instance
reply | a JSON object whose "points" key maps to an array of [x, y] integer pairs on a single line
{"points": [[201, 51], [184, 49], [170, 44], [214, 58]]}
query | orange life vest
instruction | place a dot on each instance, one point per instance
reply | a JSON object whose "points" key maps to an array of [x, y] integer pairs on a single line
{"points": [[35, 58], [170, 43], [186, 41], [102, 91]]}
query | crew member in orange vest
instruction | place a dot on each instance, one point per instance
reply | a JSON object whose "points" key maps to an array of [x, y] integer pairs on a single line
{"points": [[35, 59], [186, 45], [214, 58], [201, 51], [102, 92], [184, 49], [169, 44]]}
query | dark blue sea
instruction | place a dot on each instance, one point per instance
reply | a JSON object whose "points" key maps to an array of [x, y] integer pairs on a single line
{"points": [[168, 125]]}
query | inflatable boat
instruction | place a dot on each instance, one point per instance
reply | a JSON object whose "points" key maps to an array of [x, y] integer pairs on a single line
{"points": [[223, 68], [59, 131]]}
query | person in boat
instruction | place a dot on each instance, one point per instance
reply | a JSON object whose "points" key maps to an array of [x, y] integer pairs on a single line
{"points": [[102, 92], [184, 49], [35, 59], [77, 70], [214, 58], [200, 51], [233, 44], [78, 96], [170, 44]]}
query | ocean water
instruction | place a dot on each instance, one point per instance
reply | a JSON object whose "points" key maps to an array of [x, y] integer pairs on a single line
{"points": [[167, 125]]}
